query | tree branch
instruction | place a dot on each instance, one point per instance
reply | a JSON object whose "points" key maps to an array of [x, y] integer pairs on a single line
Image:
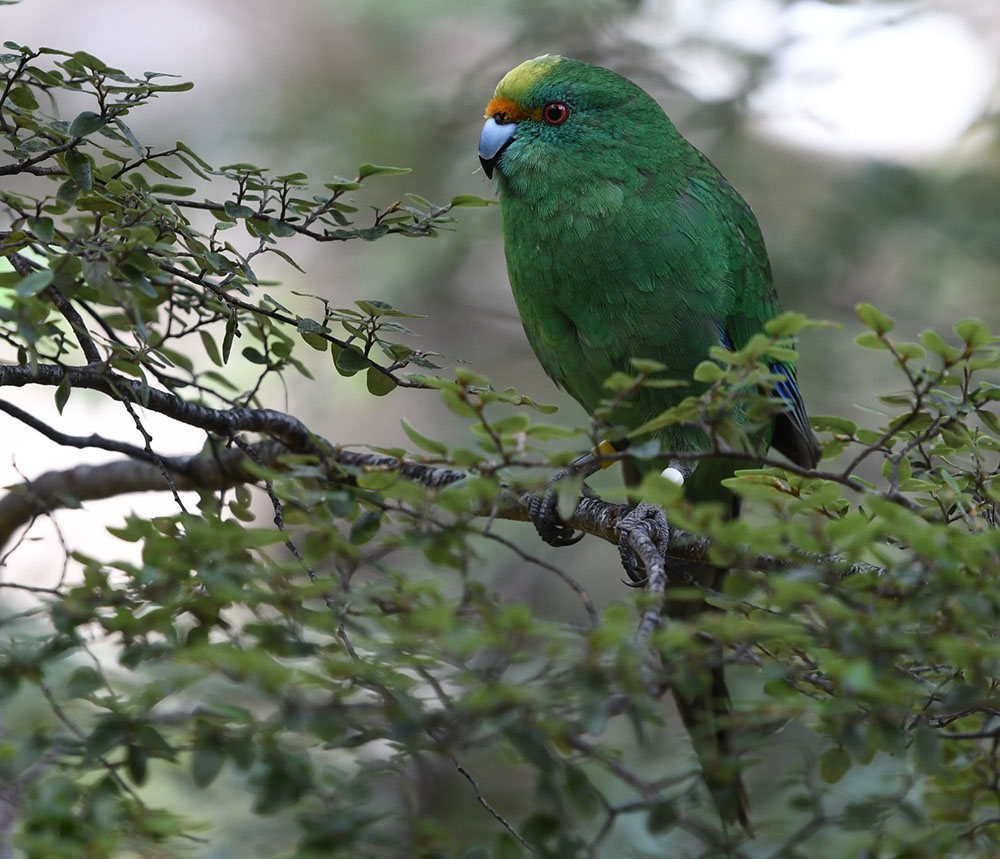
{"points": [[23, 266], [223, 468], [79, 441], [224, 422], [234, 301]]}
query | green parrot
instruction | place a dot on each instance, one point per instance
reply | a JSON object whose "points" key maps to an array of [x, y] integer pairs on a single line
{"points": [[623, 240]]}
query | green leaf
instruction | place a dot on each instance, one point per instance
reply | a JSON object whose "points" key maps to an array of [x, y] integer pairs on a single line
{"points": [[869, 340], [162, 170], [86, 123], [235, 210], [874, 318], [645, 365], [423, 442], [23, 97], [973, 332], [286, 258], [68, 192], [62, 393], [310, 326], [316, 341], [341, 185], [895, 399], [80, 169], [371, 234], [109, 732], [457, 403], [82, 682], [49, 78], [833, 423], [374, 307], [34, 283], [990, 419], [89, 61], [511, 424], [569, 489], [366, 170], [377, 480], [208, 341], [859, 676], [130, 137], [135, 277], [181, 87], [272, 300], [708, 371], [136, 762], [661, 817], [937, 344], [581, 792], [173, 190], [365, 527], [470, 200], [910, 351], [379, 383], [786, 324], [180, 146], [350, 361], [42, 229], [657, 489], [834, 764], [281, 229], [227, 340], [548, 432], [207, 759]]}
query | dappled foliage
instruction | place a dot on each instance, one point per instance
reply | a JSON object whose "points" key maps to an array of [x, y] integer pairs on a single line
{"points": [[316, 630]]}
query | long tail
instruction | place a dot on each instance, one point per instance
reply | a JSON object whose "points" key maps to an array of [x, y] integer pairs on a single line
{"points": [[707, 716]]}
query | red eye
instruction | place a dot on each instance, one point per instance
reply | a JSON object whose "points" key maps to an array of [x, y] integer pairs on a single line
{"points": [[555, 113]]}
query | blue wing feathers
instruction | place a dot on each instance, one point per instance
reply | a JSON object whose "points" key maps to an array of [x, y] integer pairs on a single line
{"points": [[788, 390], [792, 434]]}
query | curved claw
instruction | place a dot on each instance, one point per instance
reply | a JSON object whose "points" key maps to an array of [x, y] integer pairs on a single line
{"points": [[545, 518], [644, 515]]}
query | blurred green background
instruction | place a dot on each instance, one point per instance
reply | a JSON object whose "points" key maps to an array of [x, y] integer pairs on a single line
{"points": [[865, 136]]}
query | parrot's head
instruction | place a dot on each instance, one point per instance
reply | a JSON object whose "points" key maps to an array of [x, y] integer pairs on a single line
{"points": [[563, 118]]}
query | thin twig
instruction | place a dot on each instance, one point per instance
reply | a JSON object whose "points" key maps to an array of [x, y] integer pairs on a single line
{"points": [[485, 804], [588, 604], [78, 441]]}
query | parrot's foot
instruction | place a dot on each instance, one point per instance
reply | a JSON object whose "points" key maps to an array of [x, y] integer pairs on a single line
{"points": [[654, 520], [544, 513]]}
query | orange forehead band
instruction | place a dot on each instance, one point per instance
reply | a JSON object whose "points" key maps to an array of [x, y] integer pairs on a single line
{"points": [[511, 110]]}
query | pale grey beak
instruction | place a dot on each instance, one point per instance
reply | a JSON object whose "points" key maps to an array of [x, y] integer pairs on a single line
{"points": [[496, 137]]}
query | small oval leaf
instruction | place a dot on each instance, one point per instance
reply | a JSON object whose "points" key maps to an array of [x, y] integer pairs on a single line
{"points": [[86, 123]]}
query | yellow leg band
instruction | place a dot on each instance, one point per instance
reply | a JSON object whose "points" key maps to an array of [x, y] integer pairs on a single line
{"points": [[603, 450]]}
